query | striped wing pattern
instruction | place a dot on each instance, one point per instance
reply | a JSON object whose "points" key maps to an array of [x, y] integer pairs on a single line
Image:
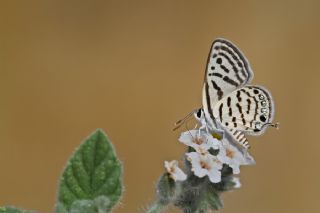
{"points": [[227, 101], [247, 110], [227, 69]]}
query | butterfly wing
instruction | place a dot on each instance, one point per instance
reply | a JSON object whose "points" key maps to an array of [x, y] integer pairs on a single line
{"points": [[227, 70], [247, 110]]}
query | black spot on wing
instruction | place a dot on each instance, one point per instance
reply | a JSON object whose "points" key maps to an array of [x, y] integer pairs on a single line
{"points": [[219, 91], [239, 95], [249, 105], [244, 121], [230, 81], [220, 112], [229, 106], [247, 93], [216, 74], [234, 122], [242, 115], [229, 101], [225, 78], [263, 118], [239, 108], [224, 68]]}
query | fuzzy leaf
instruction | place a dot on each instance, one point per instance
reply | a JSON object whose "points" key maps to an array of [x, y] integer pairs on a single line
{"points": [[92, 177], [13, 210]]}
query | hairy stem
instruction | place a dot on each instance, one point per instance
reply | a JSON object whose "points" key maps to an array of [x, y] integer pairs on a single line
{"points": [[157, 207]]}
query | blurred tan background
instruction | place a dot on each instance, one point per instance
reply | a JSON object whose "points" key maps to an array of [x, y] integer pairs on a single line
{"points": [[133, 68]]}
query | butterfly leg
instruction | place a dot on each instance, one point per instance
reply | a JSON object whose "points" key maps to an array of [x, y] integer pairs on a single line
{"points": [[203, 127]]}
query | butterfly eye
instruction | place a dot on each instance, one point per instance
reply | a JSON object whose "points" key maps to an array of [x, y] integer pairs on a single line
{"points": [[199, 113]]}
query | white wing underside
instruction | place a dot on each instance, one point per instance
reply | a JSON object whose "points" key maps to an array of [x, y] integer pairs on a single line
{"points": [[228, 102]]}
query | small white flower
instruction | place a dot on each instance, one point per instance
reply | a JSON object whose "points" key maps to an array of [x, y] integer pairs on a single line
{"points": [[236, 182], [205, 164], [174, 171], [200, 140], [234, 156]]}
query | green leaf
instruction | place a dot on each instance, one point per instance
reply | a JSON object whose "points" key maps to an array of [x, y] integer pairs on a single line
{"points": [[9, 209], [92, 177]]}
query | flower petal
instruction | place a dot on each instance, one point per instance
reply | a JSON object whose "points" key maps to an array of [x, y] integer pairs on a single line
{"points": [[214, 176], [205, 164], [180, 175], [231, 154], [174, 171]]}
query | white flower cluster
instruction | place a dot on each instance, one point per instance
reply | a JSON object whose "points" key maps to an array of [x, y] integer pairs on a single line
{"points": [[204, 163], [208, 156]]}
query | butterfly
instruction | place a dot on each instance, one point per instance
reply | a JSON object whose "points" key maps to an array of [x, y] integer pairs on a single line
{"points": [[229, 102]]}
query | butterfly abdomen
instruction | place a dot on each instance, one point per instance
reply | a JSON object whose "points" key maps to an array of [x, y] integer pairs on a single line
{"points": [[240, 138]]}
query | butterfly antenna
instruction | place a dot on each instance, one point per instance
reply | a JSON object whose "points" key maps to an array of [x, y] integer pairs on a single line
{"points": [[180, 122], [275, 125]]}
